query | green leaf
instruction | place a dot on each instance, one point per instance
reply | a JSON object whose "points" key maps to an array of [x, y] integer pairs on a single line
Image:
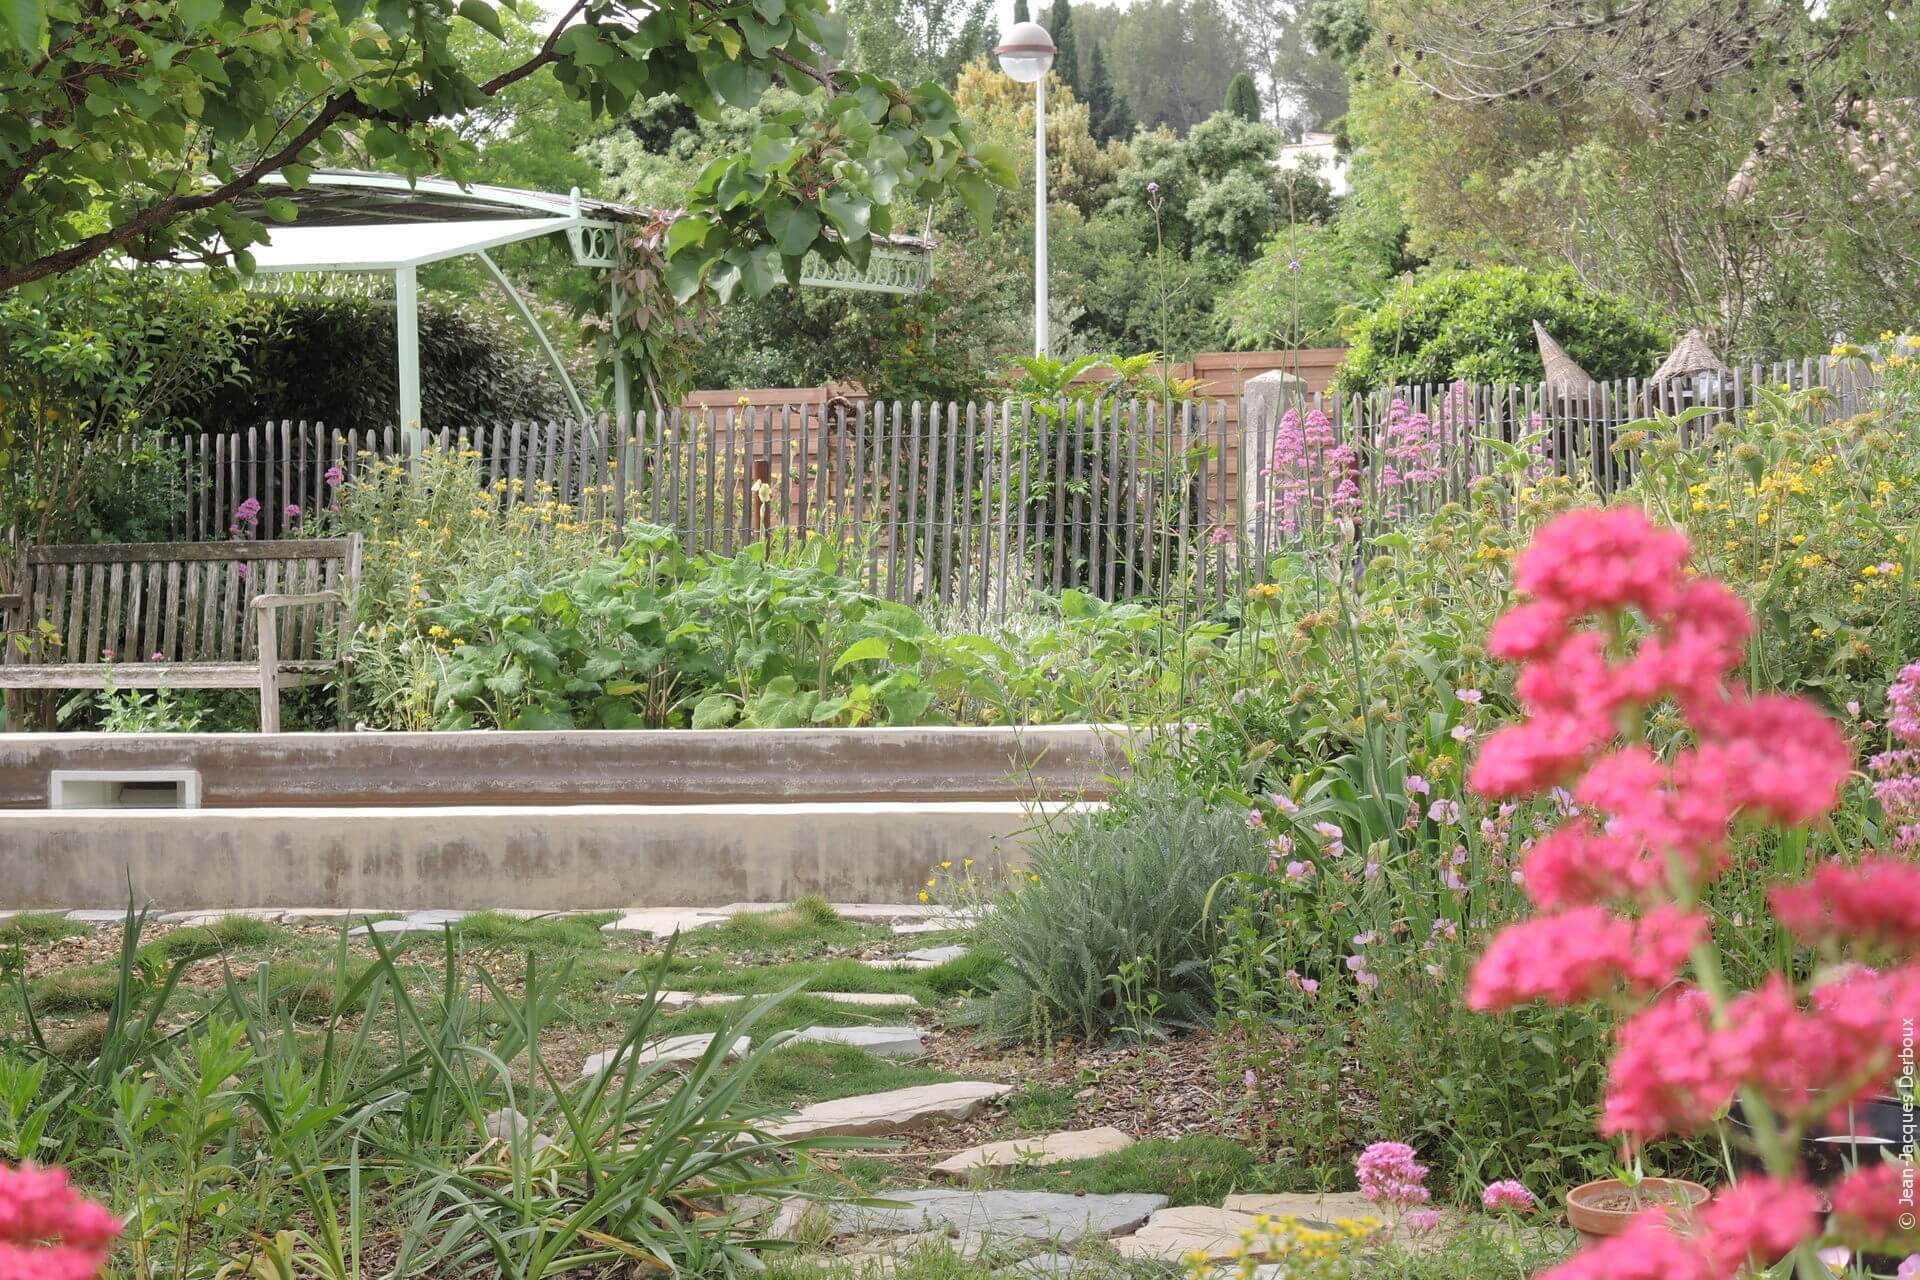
{"points": [[686, 231], [715, 711], [195, 14], [484, 16], [741, 83], [281, 209], [27, 23], [977, 194], [759, 269], [794, 227], [864, 651]]}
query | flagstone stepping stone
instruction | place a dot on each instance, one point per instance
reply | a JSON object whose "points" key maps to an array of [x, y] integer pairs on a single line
{"points": [[324, 915], [894, 1111], [1172, 1235], [670, 1050], [96, 917], [885, 1042], [213, 917], [506, 1126], [1033, 1215], [925, 958], [1320, 1210], [867, 999], [929, 926], [660, 922], [1074, 1144], [1055, 1266]]}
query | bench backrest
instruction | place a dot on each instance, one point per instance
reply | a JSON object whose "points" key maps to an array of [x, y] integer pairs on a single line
{"points": [[175, 601]]}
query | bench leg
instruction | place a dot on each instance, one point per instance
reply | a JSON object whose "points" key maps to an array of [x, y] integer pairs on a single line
{"points": [[269, 672]]}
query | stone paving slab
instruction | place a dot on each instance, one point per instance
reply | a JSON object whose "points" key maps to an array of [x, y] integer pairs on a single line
{"points": [[1073, 1144], [670, 1050], [268, 915], [660, 922], [884, 1042], [1173, 1235], [1321, 1210], [96, 917], [894, 1111], [1033, 1215]]}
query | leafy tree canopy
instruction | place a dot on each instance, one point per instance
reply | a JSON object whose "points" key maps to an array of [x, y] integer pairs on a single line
{"points": [[1478, 325], [142, 128]]}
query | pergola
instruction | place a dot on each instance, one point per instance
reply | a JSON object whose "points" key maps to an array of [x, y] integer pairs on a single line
{"points": [[373, 231]]}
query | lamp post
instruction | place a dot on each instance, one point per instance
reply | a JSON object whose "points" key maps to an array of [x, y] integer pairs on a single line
{"points": [[1027, 56]]}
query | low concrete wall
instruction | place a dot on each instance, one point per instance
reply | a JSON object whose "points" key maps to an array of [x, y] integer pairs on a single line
{"points": [[600, 856], [299, 770]]}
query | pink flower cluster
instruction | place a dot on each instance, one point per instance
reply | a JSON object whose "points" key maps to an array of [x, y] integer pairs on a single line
{"points": [[1507, 1195], [1412, 445], [1310, 473], [1676, 1069], [1897, 772], [1776, 756], [1389, 1174], [49, 1231], [1875, 904], [1756, 1222], [1582, 954], [1868, 1209]]}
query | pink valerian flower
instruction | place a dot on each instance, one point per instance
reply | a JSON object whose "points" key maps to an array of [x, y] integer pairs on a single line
{"points": [[291, 511], [1220, 537], [1507, 1195], [49, 1231], [1897, 772], [1422, 1221], [1875, 904], [1867, 1209], [1309, 473], [1389, 1174], [1675, 1070], [335, 476], [1598, 561], [1649, 1249], [1778, 756], [1583, 954], [1761, 1219], [247, 513]]}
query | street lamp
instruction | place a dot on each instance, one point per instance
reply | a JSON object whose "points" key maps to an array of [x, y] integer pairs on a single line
{"points": [[1027, 56]]}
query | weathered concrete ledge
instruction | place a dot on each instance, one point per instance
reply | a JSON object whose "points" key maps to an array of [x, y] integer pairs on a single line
{"points": [[669, 766], [594, 856]]}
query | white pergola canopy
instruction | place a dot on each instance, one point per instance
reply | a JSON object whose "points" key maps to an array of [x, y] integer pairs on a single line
{"points": [[378, 227]]}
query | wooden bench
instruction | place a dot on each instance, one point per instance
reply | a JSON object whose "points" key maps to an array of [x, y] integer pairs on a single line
{"points": [[180, 615]]}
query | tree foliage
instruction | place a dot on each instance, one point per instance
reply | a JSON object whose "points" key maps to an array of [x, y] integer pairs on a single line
{"points": [[1111, 117], [1478, 325], [1243, 98], [113, 113]]}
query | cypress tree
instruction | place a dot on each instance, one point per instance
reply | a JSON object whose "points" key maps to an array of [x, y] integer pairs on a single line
{"points": [[1107, 112], [1066, 63], [1020, 13], [1243, 97]]}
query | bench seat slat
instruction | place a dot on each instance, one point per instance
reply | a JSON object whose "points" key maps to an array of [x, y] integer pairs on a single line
{"points": [[159, 675], [142, 552]]}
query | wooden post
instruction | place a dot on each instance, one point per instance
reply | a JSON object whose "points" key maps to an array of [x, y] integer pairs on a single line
{"points": [[269, 668]]}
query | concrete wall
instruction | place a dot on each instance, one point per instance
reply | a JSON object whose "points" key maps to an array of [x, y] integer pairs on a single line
{"points": [[601, 856], [300, 770]]}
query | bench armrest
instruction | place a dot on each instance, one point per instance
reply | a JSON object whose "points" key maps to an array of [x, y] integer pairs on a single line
{"points": [[289, 602]]}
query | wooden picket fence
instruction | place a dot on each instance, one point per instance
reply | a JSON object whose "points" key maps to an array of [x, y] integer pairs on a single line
{"points": [[976, 505]]}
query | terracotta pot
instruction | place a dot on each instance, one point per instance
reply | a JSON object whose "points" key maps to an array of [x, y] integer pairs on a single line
{"points": [[1595, 1220]]}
